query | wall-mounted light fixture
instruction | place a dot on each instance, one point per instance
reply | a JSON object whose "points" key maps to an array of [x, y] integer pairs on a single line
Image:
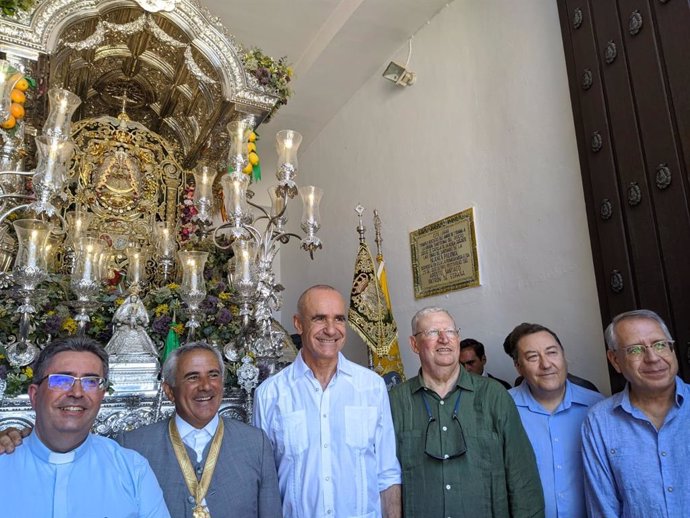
{"points": [[399, 74]]}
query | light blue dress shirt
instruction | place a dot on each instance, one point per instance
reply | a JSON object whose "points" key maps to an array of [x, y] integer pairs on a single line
{"points": [[98, 479], [334, 448], [556, 441], [631, 469]]}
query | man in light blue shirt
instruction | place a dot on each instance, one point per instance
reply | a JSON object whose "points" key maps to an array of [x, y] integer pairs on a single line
{"points": [[635, 444], [64, 471], [552, 410]]}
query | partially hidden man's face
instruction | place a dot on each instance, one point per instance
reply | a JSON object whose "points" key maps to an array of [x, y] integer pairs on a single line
{"points": [[198, 390], [472, 362], [541, 361], [64, 418], [652, 372], [322, 325]]}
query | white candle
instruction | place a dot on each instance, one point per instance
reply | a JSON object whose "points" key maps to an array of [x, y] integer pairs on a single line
{"points": [[193, 275], [61, 114], [32, 250]]}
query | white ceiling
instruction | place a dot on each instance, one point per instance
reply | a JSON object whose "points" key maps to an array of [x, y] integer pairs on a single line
{"points": [[334, 46]]}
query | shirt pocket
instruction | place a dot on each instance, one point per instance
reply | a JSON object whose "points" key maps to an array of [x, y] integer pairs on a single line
{"points": [[360, 426], [295, 439]]}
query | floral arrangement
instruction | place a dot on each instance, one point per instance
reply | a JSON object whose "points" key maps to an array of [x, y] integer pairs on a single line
{"points": [[10, 7], [268, 72]]}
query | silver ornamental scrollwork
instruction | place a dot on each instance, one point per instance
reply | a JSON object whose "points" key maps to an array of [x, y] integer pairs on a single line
{"points": [[587, 79], [635, 24], [610, 53], [616, 281], [606, 209], [597, 141], [634, 194], [663, 176], [577, 18]]}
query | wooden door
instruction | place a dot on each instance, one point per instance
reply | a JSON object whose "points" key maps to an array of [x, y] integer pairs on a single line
{"points": [[628, 67]]}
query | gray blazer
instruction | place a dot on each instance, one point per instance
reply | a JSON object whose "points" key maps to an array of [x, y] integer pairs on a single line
{"points": [[244, 484]]}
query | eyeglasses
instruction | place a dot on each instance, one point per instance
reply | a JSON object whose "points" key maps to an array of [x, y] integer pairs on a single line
{"points": [[662, 347], [435, 333], [64, 382], [462, 446]]}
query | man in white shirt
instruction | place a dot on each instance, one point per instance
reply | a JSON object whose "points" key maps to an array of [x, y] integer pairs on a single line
{"points": [[330, 423]]}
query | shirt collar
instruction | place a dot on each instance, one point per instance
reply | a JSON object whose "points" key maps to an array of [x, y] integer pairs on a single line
{"points": [[622, 399], [40, 450], [523, 397], [300, 367], [465, 381], [184, 428]]}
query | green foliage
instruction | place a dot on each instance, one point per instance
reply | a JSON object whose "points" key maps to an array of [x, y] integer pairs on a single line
{"points": [[10, 7], [274, 74]]}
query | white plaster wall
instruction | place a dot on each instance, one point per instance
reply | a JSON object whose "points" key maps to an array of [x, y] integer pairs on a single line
{"points": [[487, 125]]}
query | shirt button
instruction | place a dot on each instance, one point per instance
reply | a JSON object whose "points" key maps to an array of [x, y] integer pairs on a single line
{"points": [[663, 454], [328, 479], [613, 451], [445, 428], [330, 511], [555, 439], [325, 445], [447, 486], [190, 499], [670, 489], [558, 466], [441, 402], [325, 416], [446, 456]]}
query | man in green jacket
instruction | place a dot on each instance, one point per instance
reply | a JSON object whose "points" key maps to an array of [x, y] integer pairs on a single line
{"points": [[460, 441]]}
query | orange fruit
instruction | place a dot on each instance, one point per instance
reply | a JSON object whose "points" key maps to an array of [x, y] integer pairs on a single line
{"points": [[17, 110], [9, 123], [252, 137], [251, 147], [253, 158], [22, 85], [18, 96]]}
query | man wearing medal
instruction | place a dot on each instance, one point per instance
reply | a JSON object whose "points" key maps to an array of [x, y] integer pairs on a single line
{"points": [[208, 466]]}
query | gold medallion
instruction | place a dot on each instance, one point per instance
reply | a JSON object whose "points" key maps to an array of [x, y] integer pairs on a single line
{"points": [[200, 511]]}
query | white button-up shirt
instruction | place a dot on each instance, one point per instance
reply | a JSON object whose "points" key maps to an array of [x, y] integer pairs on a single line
{"points": [[334, 448]]}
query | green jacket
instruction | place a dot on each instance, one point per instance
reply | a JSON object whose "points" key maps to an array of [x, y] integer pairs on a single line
{"points": [[493, 475]]}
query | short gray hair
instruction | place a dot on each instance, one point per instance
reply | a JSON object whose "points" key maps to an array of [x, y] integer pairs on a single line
{"points": [[170, 365], [427, 311], [610, 332]]}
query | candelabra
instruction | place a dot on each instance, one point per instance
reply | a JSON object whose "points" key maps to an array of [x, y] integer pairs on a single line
{"points": [[54, 152], [254, 247]]}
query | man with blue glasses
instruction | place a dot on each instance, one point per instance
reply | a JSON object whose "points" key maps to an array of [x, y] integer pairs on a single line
{"points": [[634, 444], [63, 470], [461, 446]]}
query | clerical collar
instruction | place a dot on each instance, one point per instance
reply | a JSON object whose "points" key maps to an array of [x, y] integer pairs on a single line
{"points": [[185, 428], [40, 450]]}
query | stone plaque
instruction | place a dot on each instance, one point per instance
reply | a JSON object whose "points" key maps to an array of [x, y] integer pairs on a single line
{"points": [[444, 255]]}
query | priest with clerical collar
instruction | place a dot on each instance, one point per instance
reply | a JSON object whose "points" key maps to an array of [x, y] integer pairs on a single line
{"points": [[207, 466], [63, 470]]}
